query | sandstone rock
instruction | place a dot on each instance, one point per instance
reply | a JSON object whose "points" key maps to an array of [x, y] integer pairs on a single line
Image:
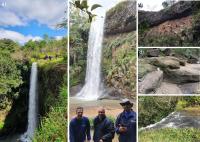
{"points": [[190, 88], [186, 74], [168, 88], [150, 82], [178, 10], [167, 51], [153, 52], [144, 67], [165, 62], [75, 89], [121, 18]]}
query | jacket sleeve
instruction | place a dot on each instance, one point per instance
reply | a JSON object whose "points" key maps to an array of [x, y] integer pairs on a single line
{"points": [[117, 124], [71, 132], [94, 124], [111, 132], [88, 130]]}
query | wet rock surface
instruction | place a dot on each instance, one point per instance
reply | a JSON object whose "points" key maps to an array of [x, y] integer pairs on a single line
{"points": [[176, 120]]}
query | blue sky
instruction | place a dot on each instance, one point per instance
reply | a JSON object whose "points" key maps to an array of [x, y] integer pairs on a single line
{"points": [[22, 20]]}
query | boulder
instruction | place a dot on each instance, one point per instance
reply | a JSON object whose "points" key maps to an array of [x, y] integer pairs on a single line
{"points": [[190, 88], [166, 62], [176, 11], [150, 82], [185, 74], [144, 67], [121, 18], [168, 88], [153, 52]]}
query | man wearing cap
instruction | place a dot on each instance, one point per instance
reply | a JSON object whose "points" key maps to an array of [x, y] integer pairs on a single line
{"points": [[104, 130], [79, 127], [125, 125]]}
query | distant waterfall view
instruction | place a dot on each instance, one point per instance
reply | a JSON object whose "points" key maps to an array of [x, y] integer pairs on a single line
{"points": [[91, 89], [33, 109]]}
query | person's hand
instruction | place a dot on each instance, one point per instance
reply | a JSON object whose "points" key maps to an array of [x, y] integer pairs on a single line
{"points": [[100, 140], [122, 129]]}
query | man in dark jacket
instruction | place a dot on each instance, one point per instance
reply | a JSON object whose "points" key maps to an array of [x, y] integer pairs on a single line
{"points": [[103, 128], [79, 127], [125, 125]]}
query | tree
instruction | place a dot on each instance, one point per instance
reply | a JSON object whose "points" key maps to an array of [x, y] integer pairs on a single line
{"points": [[83, 5], [168, 3], [9, 74]]}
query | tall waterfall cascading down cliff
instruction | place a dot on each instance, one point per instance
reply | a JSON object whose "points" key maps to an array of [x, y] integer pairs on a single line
{"points": [[91, 89], [33, 109]]}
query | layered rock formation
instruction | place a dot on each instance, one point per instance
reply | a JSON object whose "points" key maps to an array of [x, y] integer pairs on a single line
{"points": [[176, 11], [174, 76], [176, 25], [121, 18]]}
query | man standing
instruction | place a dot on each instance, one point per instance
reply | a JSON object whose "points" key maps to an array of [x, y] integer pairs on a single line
{"points": [[103, 128], [79, 127], [126, 123]]}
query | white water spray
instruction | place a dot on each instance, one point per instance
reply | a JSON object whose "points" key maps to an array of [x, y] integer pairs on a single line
{"points": [[32, 110], [91, 89]]}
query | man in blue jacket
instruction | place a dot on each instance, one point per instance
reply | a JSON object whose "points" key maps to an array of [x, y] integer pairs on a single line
{"points": [[104, 130], [125, 125], [79, 127]]}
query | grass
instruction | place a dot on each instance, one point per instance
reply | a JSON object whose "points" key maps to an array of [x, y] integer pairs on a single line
{"points": [[42, 62], [170, 135]]}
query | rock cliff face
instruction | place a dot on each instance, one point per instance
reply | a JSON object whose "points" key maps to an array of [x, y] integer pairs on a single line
{"points": [[176, 25], [119, 53], [121, 18], [50, 79], [177, 11]]}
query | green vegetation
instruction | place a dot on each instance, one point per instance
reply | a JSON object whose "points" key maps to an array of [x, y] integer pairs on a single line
{"points": [[15, 65], [78, 46], [9, 73], [153, 109], [46, 50], [119, 59], [83, 5], [53, 127], [170, 135]]}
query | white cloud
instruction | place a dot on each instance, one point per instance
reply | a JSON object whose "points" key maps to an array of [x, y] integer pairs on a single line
{"points": [[49, 12], [18, 37], [153, 5], [9, 19], [58, 37]]}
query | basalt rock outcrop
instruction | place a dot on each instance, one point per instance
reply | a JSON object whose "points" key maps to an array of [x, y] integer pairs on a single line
{"points": [[176, 25], [179, 10], [121, 18]]}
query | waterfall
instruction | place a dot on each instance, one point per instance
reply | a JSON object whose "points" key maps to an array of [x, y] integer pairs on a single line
{"points": [[32, 110], [91, 89]]}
